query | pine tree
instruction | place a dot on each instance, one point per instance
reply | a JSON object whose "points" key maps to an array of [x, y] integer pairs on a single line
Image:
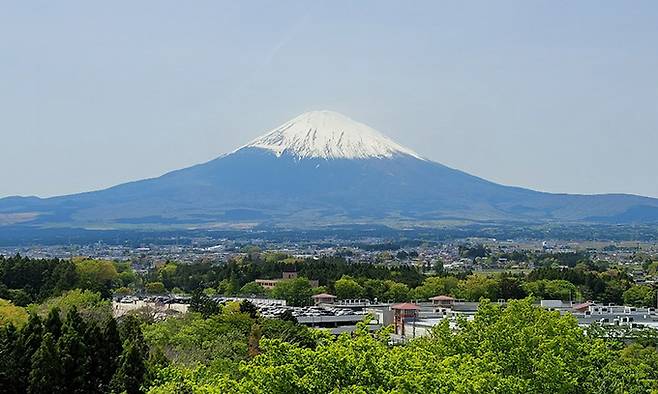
{"points": [[74, 320], [130, 329], [104, 347], [203, 304], [28, 342], [75, 358], [64, 277], [8, 367], [46, 374], [111, 351], [132, 365], [53, 323], [129, 377], [94, 346]]}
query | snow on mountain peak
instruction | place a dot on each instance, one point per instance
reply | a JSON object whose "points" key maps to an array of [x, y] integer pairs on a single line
{"points": [[329, 135]]}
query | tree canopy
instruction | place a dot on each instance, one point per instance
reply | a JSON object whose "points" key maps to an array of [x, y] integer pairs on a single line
{"points": [[517, 349]]}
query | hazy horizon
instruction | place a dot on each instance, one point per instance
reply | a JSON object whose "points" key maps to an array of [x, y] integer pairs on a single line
{"points": [[558, 99]]}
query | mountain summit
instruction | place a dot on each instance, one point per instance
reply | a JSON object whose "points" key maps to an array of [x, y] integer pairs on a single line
{"points": [[328, 135], [320, 168]]}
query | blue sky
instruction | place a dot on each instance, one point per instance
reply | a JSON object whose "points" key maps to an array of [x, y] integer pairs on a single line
{"points": [[555, 96]]}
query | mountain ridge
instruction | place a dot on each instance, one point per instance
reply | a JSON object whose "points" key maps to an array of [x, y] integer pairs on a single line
{"points": [[319, 168]]}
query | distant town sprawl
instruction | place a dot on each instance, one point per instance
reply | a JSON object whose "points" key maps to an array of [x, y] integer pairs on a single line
{"points": [[371, 269]]}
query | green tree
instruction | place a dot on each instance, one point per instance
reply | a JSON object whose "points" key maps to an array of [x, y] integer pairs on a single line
{"points": [[252, 288], [64, 277], [46, 372], [123, 291], [74, 355], [249, 308], [477, 287], [155, 288], [89, 304], [157, 361], [132, 364], [515, 349], [437, 266], [614, 291], [203, 304], [53, 323], [296, 292], [9, 343], [397, 292], [95, 345], [640, 295], [12, 314], [127, 277], [552, 289], [227, 287], [511, 287], [191, 339], [27, 344], [434, 286], [166, 273], [210, 291], [320, 290], [348, 288], [19, 297], [287, 316], [96, 275], [374, 289], [111, 348], [129, 376], [291, 332]]}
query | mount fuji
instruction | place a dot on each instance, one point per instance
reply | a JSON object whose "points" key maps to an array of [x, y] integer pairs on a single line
{"points": [[320, 168]]}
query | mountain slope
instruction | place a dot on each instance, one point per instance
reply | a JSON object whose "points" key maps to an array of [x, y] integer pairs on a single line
{"points": [[319, 168]]}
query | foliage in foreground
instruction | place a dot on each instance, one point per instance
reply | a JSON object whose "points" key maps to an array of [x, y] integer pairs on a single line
{"points": [[68, 353], [519, 349]]}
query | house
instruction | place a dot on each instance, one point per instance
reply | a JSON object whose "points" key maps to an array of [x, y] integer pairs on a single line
{"points": [[584, 307], [289, 275], [443, 301], [323, 298], [268, 284], [402, 312]]}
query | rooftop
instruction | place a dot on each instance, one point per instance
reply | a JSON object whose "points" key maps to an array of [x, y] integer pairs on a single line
{"points": [[323, 295], [405, 306]]}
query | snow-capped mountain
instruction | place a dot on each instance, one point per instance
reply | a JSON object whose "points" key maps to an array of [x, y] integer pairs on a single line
{"points": [[329, 135], [319, 168]]}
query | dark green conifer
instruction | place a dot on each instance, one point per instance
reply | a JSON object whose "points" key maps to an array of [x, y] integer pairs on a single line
{"points": [[75, 358], [53, 323], [8, 365], [46, 374], [111, 351], [27, 344], [97, 358], [129, 377]]}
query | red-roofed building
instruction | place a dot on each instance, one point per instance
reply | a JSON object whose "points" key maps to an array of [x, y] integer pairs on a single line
{"points": [[401, 312], [582, 308], [443, 301]]}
